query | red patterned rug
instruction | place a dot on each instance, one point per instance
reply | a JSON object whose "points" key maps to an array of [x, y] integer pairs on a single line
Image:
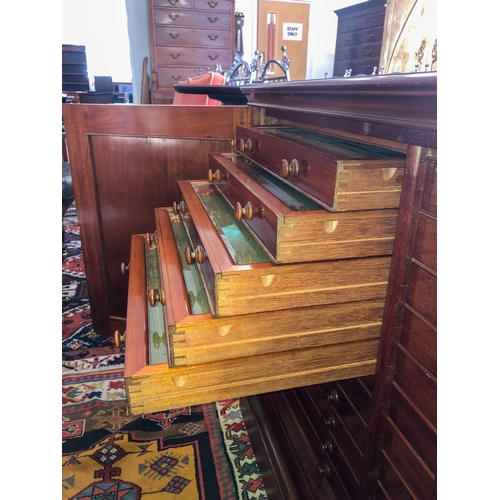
{"points": [[193, 453]]}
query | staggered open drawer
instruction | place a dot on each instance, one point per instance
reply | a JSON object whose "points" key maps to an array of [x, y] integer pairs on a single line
{"points": [[250, 286]]}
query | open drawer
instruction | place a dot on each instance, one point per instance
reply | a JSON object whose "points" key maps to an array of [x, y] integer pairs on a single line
{"points": [[337, 173], [292, 227], [154, 386], [240, 277]]}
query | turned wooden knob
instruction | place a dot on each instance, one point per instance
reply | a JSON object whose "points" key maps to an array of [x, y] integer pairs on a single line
{"points": [[199, 255], [124, 268], [119, 338], [155, 295], [179, 207], [323, 470], [150, 239], [291, 169], [217, 176], [332, 397], [245, 146], [248, 210], [329, 421], [326, 447]]}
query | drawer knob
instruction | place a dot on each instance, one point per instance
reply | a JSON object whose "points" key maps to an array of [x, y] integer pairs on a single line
{"points": [[155, 295], [179, 207], [329, 421], [332, 397], [323, 470], [290, 169], [199, 255], [119, 338], [249, 211], [326, 447], [217, 176], [150, 239], [245, 146], [124, 268]]}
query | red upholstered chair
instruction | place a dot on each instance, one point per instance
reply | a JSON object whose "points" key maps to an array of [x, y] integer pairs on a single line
{"points": [[210, 78]]}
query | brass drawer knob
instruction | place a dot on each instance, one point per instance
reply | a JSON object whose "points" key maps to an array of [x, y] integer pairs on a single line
{"points": [[329, 421], [249, 211], [291, 169], [199, 255], [326, 447], [151, 239], [332, 397], [323, 470], [119, 338], [155, 295], [124, 268], [217, 176], [179, 207]]}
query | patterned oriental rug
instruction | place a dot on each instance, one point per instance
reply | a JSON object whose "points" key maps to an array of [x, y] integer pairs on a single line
{"points": [[193, 453]]}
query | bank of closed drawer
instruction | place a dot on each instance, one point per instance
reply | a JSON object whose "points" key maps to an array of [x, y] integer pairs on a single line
{"points": [[360, 37], [194, 336], [292, 227], [212, 20], [338, 174], [152, 385], [370, 20], [244, 278]]}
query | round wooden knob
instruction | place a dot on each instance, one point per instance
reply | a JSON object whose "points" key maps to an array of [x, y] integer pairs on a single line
{"points": [[291, 169], [179, 207], [199, 255], [332, 397], [248, 210], [326, 447], [150, 239], [217, 176], [124, 268], [245, 146], [155, 295], [119, 338], [323, 470], [241, 145], [329, 421]]}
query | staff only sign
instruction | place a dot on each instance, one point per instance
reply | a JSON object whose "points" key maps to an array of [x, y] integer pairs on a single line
{"points": [[292, 31]]}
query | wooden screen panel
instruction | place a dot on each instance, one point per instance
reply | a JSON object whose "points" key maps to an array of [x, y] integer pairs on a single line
{"points": [[144, 175]]}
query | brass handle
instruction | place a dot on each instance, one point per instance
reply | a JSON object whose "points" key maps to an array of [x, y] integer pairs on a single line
{"points": [[179, 207], [323, 470], [212, 21], [326, 447], [332, 397], [119, 338], [212, 4], [173, 16], [291, 169], [213, 58], [155, 295], [199, 255], [174, 35], [150, 239], [213, 38], [176, 78], [124, 268], [245, 145], [176, 56], [217, 176], [329, 421]]}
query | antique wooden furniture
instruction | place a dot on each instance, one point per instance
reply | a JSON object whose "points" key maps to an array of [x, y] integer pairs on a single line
{"points": [[125, 161], [74, 69], [359, 38], [340, 396], [187, 37]]}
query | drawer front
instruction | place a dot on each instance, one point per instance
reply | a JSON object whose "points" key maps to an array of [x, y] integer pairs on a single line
{"points": [[362, 53], [191, 37], [360, 37], [211, 20], [169, 76], [361, 66], [365, 21], [176, 4], [292, 227], [338, 174], [199, 57], [213, 5]]}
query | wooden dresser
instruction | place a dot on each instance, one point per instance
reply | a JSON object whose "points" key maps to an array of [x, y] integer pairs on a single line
{"points": [[359, 38], [187, 37], [297, 272]]}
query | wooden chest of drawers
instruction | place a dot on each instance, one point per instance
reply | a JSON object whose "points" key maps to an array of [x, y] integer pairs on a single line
{"points": [[187, 37], [359, 38]]}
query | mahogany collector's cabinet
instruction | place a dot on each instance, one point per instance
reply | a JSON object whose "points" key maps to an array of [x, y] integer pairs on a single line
{"points": [[285, 255]]}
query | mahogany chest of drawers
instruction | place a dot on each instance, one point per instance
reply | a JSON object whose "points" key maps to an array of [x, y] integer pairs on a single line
{"points": [[187, 38]]}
